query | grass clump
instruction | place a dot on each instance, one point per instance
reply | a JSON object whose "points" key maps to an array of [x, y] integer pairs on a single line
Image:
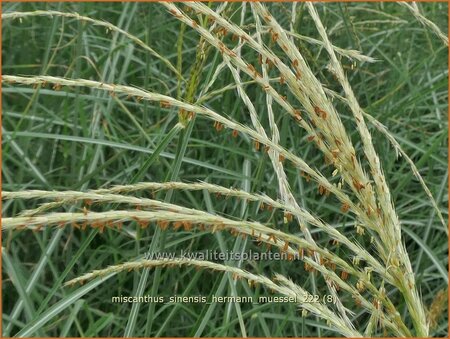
{"points": [[151, 128]]}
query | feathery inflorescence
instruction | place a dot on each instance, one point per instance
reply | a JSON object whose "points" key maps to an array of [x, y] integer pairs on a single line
{"points": [[362, 276]]}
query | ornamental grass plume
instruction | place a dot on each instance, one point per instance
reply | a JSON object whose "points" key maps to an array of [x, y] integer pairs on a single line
{"points": [[363, 276]]}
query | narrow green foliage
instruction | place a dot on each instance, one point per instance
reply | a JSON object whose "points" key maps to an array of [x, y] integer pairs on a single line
{"points": [[311, 132]]}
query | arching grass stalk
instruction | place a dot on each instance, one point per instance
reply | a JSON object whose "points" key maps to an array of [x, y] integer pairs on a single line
{"points": [[366, 266], [300, 294]]}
